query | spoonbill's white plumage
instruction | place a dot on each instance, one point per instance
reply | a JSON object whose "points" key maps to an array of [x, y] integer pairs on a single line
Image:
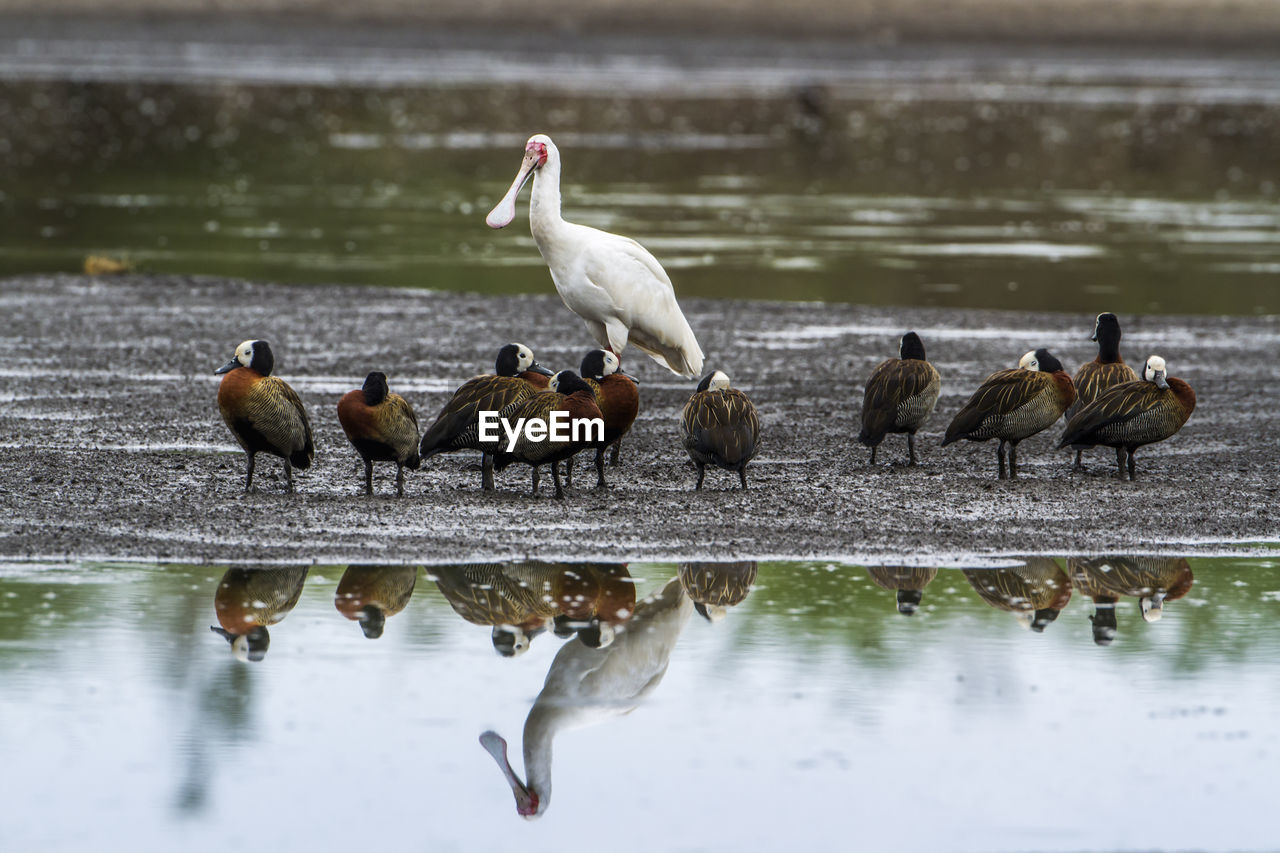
{"points": [[619, 290], [587, 685]]}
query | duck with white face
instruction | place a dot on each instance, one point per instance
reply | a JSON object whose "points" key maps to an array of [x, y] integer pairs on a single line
{"points": [[1015, 404], [719, 426], [618, 396], [263, 412], [517, 376], [1133, 414]]}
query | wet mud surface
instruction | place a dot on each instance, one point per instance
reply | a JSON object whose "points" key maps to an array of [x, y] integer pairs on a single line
{"points": [[111, 445]]}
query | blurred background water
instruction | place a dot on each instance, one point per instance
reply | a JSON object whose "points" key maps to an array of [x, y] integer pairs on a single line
{"points": [[957, 177]]}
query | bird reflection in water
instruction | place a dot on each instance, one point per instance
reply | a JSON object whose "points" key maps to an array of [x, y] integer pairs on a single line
{"points": [[715, 587], [1035, 593], [522, 600], [248, 600], [1151, 580], [908, 581], [369, 594], [590, 685]]}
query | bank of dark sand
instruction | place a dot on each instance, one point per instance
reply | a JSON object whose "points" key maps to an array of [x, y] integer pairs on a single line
{"points": [[111, 446]]}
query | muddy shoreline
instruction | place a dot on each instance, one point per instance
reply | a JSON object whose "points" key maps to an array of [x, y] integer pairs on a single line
{"points": [[111, 446]]}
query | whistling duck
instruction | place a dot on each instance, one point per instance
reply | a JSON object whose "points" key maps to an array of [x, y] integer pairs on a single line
{"points": [[248, 600], [908, 581], [1151, 580], [715, 587], [618, 397], [1133, 414], [1087, 580], [618, 289], [586, 686], [1106, 370], [1035, 593], [505, 598], [719, 426], [263, 412], [382, 427], [517, 377], [1014, 404], [899, 397], [369, 594], [567, 393]]}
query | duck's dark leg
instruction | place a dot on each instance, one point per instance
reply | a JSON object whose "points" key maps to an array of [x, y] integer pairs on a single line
{"points": [[555, 475], [1078, 466], [537, 475], [702, 472], [568, 471], [613, 454], [248, 475], [911, 448], [600, 484], [288, 476], [1132, 472], [873, 455], [486, 471], [1000, 456], [1013, 460], [742, 475], [1120, 462], [368, 476], [399, 479]]}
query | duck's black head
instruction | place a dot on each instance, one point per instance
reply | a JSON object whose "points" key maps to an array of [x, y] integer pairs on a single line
{"points": [[1048, 362], [251, 646], [567, 382], [1106, 331], [599, 363], [514, 359], [375, 388], [716, 380], [1042, 618], [372, 621], [510, 642], [255, 355], [909, 599], [911, 347], [1104, 624]]}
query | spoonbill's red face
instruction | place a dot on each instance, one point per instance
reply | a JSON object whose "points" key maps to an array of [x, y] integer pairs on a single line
{"points": [[536, 152]]}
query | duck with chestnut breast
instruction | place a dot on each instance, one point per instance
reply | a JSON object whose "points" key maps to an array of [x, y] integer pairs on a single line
{"points": [[516, 378], [1133, 414], [719, 426], [1103, 372], [618, 289], [1014, 404], [568, 393], [382, 427], [618, 396], [263, 412], [899, 397]]}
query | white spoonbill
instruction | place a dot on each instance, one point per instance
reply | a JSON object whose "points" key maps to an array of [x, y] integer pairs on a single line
{"points": [[619, 290], [587, 686]]}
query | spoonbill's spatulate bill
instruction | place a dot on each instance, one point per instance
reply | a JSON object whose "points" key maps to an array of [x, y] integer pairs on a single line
{"points": [[526, 800], [619, 290]]}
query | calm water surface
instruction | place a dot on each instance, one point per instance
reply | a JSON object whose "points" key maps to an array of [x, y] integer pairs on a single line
{"points": [[1078, 183], [1024, 706]]}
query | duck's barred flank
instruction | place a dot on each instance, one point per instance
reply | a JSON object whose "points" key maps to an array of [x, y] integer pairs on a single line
{"points": [[483, 594], [1092, 379], [913, 578], [1012, 405], [457, 427], [718, 584], [1134, 576], [720, 428], [1040, 584]]}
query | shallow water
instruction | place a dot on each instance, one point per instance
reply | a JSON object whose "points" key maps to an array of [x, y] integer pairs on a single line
{"points": [[1077, 183], [809, 708]]}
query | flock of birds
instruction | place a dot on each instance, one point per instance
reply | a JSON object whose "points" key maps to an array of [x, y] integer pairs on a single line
{"points": [[625, 297]]}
